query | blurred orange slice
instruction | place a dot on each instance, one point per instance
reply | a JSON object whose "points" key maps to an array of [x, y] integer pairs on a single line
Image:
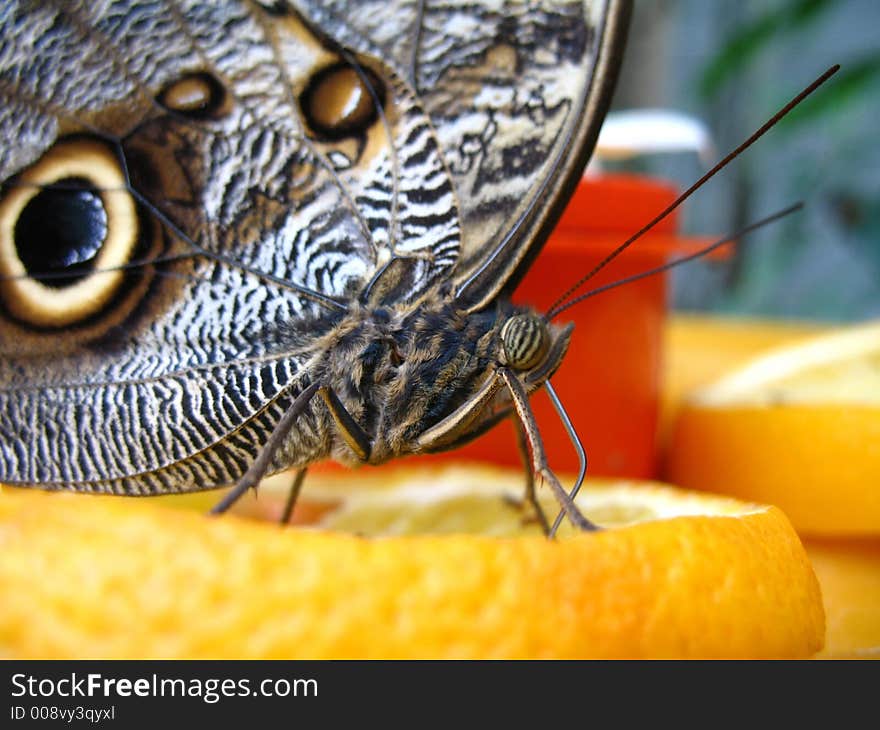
{"points": [[675, 574], [849, 573], [798, 427], [698, 349]]}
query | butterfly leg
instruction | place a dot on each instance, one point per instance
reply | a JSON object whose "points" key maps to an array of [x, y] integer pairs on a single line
{"points": [[531, 496], [353, 434], [260, 465], [293, 495], [356, 438], [539, 459]]}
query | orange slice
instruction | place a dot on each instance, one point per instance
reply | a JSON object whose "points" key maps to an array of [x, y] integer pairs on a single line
{"points": [[798, 427], [698, 349], [675, 574], [849, 573]]}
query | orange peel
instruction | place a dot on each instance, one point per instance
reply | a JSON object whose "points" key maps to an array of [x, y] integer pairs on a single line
{"points": [[681, 575]]}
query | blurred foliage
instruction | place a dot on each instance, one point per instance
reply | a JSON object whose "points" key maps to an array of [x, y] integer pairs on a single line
{"points": [[850, 84], [733, 64], [753, 37], [821, 264]]}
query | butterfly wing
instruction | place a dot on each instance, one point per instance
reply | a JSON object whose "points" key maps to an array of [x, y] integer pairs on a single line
{"points": [[251, 222], [516, 92]]}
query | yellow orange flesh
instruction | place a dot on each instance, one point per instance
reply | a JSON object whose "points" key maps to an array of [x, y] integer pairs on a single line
{"points": [[84, 576]]}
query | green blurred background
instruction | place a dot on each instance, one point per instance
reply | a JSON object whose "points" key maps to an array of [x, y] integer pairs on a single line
{"points": [[731, 64]]}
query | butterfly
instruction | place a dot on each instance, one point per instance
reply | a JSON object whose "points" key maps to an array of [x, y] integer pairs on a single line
{"points": [[238, 237]]}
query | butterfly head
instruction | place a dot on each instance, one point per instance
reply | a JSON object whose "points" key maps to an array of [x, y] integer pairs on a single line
{"points": [[531, 345], [473, 397], [525, 341]]}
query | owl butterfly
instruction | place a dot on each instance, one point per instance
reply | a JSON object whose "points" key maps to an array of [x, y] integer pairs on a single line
{"points": [[237, 237], [241, 236]]}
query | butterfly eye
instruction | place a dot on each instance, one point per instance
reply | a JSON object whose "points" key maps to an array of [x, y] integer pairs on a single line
{"points": [[197, 95], [524, 341], [67, 225], [342, 101]]}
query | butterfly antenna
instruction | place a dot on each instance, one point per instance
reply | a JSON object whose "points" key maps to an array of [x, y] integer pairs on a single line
{"points": [[559, 305], [684, 259]]}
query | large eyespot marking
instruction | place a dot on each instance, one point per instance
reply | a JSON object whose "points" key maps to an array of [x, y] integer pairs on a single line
{"points": [[197, 95], [341, 102], [60, 231], [524, 341], [67, 225]]}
